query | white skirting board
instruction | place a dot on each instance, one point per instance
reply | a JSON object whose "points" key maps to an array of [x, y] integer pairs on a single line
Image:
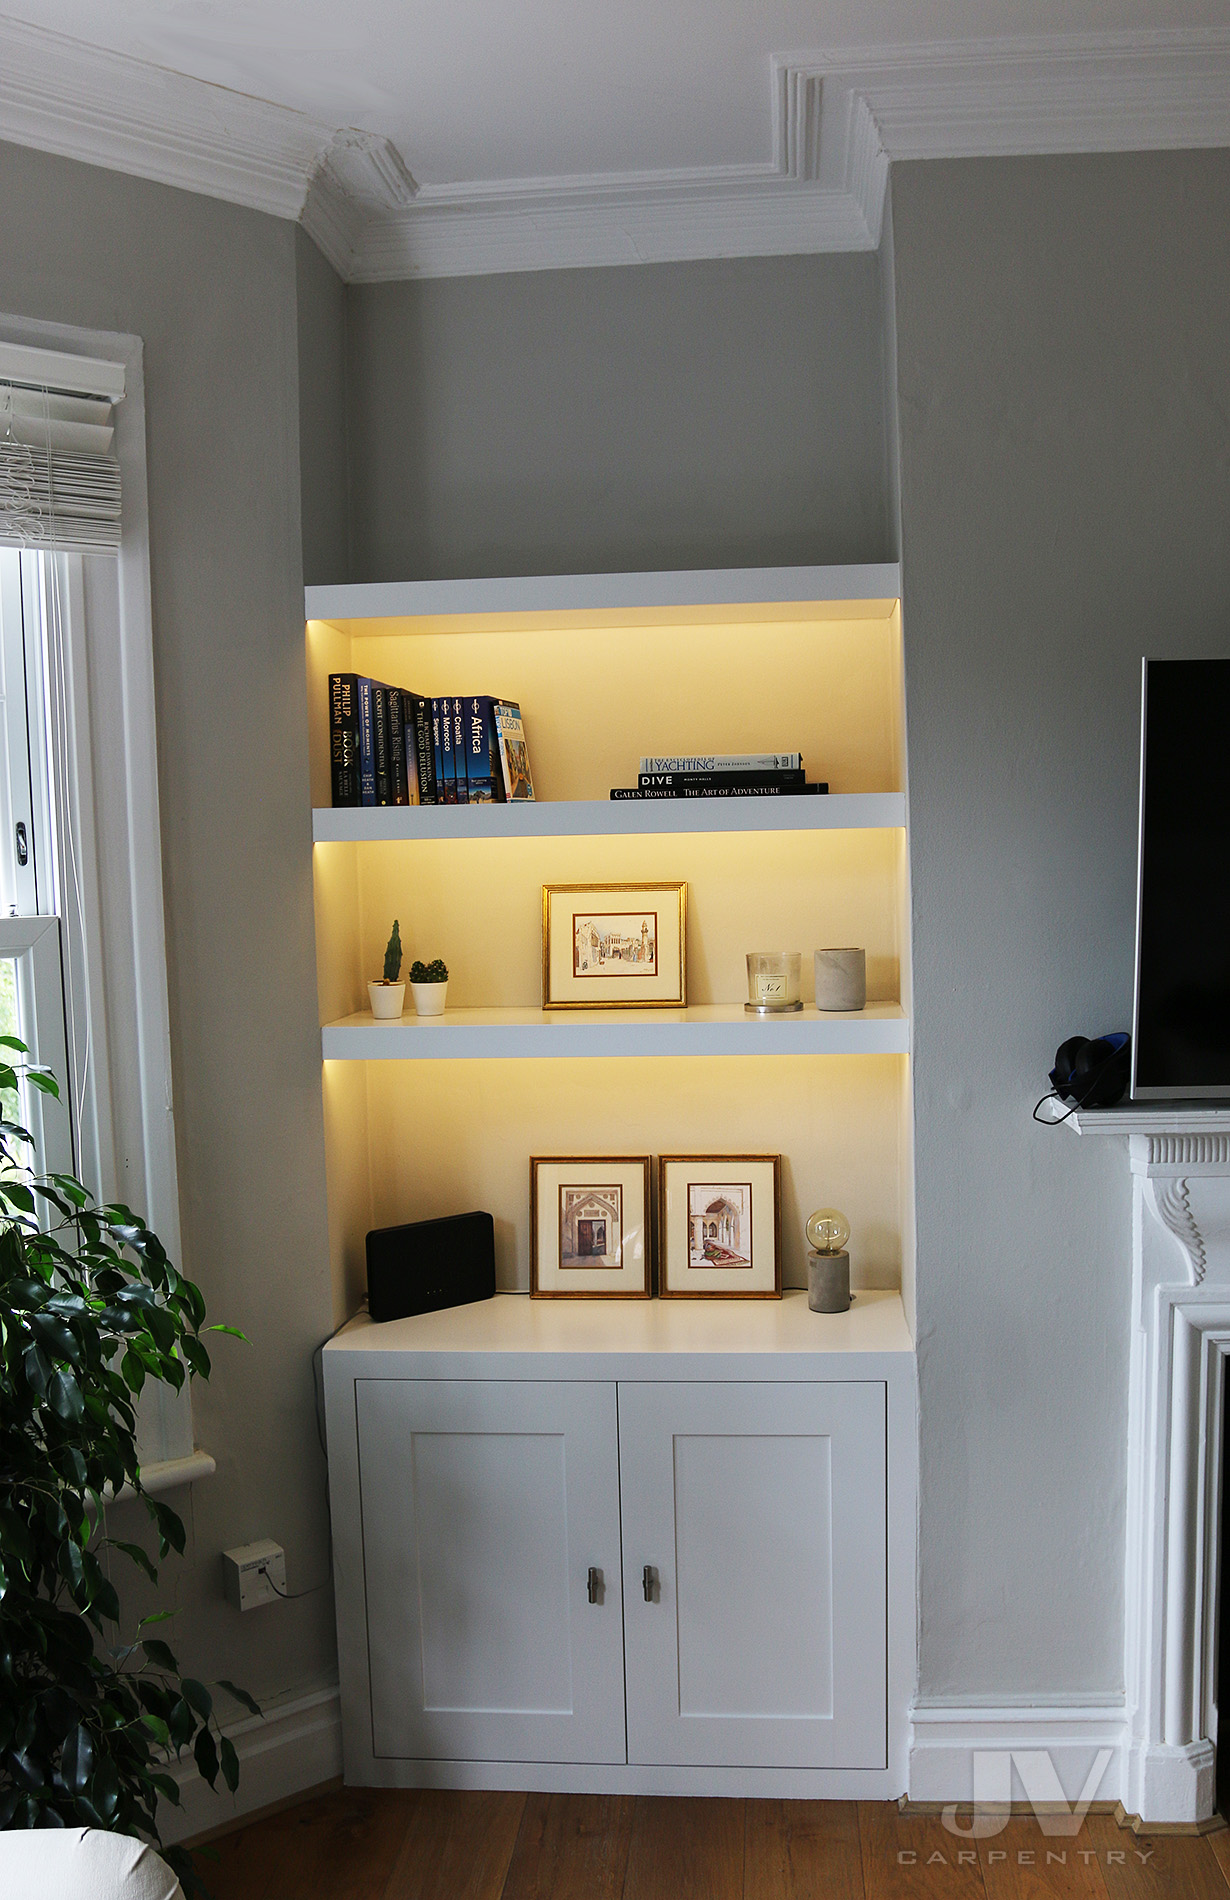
{"points": [[295, 1746], [944, 1741]]}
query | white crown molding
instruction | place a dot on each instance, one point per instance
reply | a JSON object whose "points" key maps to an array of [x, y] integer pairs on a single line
{"points": [[60, 95], [838, 119]]}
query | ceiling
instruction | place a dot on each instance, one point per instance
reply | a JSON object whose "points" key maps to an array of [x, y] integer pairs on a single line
{"points": [[503, 135]]}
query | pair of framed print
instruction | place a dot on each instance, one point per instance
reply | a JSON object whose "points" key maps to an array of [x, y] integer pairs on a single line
{"points": [[718, 1227]]}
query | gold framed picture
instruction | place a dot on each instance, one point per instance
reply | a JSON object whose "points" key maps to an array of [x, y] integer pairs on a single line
{"points": [[614, 946], [589, 1227], [719, 1227]]}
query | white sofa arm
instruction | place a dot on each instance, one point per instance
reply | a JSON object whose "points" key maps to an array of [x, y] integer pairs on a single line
{"points": [[80, 1863]]}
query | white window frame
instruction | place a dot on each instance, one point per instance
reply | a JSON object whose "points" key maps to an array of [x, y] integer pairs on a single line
{"points": [[103, 712]]}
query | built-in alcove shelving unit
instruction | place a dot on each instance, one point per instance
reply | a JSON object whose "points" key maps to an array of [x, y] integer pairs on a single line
{"points": [[681, 1534], [432, 1116]]}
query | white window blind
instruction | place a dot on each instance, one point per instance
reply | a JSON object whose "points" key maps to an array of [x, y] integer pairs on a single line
{"points": [[59, 477]]}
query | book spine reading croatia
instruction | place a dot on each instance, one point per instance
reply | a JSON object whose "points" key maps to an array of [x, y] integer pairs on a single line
{"points": [[390, 746], [721, 775]]}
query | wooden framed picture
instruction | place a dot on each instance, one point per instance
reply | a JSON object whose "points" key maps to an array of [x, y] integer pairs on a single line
{"points": [[589, 1227], [614, 946], [719, 1227]]}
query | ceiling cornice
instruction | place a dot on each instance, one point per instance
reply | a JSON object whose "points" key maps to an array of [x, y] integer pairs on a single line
{"points": [[837, 120]]}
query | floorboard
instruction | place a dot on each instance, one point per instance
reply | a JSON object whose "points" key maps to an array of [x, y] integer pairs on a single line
{"points": [[794, 1849], [571, 1847], [1161, 1867], [914, 1857], [433, 1844], [458, 1846], [685, 1849], [342, 1845]]}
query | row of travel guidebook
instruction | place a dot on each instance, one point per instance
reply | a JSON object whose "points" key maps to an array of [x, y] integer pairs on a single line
{"points": [[721, 775], [389, 746]]}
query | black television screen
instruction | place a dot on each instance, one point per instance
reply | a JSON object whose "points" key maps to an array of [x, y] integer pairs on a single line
{"points": [[1181, 1044]]}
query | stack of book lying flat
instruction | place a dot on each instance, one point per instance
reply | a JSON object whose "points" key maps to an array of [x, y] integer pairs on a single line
{"points": [[721, 775], [389, 746]]}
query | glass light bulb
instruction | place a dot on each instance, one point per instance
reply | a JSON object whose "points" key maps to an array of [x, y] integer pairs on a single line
{"points": [[828, 1230]]}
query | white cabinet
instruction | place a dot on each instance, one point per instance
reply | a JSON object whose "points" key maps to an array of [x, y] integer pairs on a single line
{"points": [[684, 1575], [755, 1577], [485, 1507]]}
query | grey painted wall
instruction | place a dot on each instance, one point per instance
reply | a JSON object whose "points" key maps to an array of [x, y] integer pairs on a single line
{"points": [[211, 290], [323, 473], [1065, 445], [677, 415]]}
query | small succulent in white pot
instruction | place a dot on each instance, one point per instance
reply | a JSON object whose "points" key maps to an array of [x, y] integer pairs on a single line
{"points": [[387, 993], [428, 986]]}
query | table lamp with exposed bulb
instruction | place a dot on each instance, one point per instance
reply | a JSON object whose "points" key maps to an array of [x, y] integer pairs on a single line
{"points": [[828, 1264]]}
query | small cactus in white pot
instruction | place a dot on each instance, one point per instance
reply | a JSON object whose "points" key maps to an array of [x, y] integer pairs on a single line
{"points": [[387, 994], [429, 986]]}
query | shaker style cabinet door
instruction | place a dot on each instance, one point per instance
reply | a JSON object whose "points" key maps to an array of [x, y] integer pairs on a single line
{"points": [[485, 1506], [755, 1587]]}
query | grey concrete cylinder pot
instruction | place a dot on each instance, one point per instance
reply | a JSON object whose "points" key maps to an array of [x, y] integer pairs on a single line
{"points": [[841, 979], [828, 1282]]}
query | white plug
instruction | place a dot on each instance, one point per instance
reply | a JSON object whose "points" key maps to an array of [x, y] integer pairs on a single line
{"points": [[254, 1573]]}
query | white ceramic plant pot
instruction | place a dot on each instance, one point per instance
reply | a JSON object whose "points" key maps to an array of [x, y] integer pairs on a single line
{"points": [[429, 998], [386, 999]]}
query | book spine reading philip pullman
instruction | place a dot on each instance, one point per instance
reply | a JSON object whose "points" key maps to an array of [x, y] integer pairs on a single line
{"points": [[344, 737]]}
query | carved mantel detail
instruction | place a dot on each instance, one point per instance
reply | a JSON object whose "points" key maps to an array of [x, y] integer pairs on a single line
{"points": [[1179, 1160], [1172, 1203]]}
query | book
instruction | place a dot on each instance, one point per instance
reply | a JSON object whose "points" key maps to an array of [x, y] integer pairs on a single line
{"points": [[746, 781], [724, 762], [459, 752], [398, 783], [720, 791], [448, 769], [344, 737], [437, 752], [514, 753], [380, 742], [367, 745], [419, 767], [407, 751], [484, 779]]}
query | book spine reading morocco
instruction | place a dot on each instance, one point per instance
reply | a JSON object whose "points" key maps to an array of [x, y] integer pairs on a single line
{"points": [[344, 737]]}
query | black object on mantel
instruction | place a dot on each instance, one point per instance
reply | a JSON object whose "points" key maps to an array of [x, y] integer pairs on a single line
{"points": [[430, 1264]]}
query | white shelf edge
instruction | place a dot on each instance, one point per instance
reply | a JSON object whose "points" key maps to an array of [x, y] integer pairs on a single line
{"points": [[596, 817], [1146, 1118], [485, 1034], [554, 593]]}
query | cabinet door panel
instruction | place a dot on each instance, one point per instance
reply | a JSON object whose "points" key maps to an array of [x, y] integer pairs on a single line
{"points": [[761, 1511], [484, 1506]]}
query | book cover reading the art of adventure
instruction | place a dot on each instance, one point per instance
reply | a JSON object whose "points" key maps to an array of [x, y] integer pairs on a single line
{"points": [[514, 753]]}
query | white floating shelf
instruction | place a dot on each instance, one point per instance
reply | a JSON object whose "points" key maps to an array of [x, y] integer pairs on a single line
{"points": [[606, 818], [581, 593], [714, 1029]]}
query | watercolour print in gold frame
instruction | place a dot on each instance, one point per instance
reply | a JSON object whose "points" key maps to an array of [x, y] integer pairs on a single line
{"points": [[614, 946], [589, 1227], [719, 1227]]}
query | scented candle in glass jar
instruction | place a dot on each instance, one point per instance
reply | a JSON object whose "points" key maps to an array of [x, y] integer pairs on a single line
{"points": [[773, 982]]}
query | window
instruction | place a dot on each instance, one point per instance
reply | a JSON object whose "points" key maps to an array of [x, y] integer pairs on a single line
{"points": [[82, 945]]}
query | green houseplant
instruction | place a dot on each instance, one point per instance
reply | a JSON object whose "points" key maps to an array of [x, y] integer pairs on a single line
{"points": [[386, 993], [90, 1308], [429, 986]]}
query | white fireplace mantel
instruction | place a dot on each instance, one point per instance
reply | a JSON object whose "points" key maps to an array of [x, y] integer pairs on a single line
{"points": [[1179, 1158]]}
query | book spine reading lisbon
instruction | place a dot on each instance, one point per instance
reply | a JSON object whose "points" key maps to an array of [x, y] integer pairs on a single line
{"points": [[390, 746]]}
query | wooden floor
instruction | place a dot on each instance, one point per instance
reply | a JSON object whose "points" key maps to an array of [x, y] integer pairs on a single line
{"points": [[369, 1845]]}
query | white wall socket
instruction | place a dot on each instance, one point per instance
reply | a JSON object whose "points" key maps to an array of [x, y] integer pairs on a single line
{"points": [[252, 1571]]}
